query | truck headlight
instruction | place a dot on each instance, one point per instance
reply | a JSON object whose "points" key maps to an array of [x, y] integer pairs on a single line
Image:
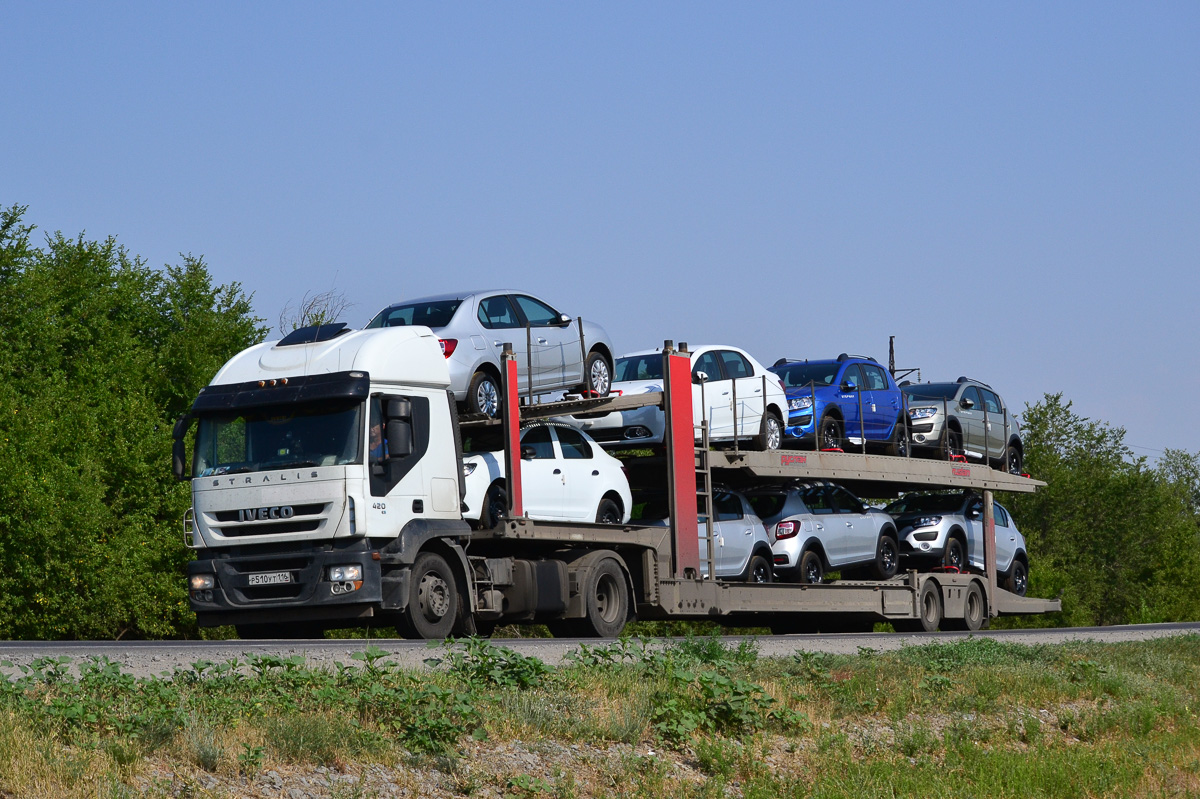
{"points": [[202, 582], [922, 413], [345, 574], [799, 403]]}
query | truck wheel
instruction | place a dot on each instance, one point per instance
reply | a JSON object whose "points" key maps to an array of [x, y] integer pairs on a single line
{"points": [[976, 614], [432, 600], [887, 558], [608, 512], [759, 570], [770, 436], [483, 395], [811, 569], [606, 601], [955, 556], [929, 610]]}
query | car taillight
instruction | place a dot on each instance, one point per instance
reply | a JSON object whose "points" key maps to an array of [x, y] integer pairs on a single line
{"points": [[785, 530], [448, 345]]}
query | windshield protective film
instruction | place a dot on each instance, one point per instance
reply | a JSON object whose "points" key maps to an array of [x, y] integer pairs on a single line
{"points": [[260, 439]]}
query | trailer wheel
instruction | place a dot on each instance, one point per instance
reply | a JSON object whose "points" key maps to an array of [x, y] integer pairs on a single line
{"points": [[811, 569], [976, 612], [606, 601], [887, 558], [929, 609], [433, 598]]}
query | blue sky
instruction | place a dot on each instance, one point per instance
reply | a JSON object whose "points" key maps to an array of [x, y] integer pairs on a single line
{"points": [[1012, 190]]}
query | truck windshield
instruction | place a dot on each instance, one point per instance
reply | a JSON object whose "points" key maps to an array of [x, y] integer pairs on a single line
{"points": [[804, 374], [639, 367], [257, 439]]}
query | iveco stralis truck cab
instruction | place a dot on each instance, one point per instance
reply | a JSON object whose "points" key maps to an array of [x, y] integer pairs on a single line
{"points": [[301, 520]]}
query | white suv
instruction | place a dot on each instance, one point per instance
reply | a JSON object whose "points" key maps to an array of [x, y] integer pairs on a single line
{"points": [[565, 476]]}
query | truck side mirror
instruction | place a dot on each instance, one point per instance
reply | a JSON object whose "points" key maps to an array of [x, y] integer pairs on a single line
{"points": [[178, 451], [398, 407]]}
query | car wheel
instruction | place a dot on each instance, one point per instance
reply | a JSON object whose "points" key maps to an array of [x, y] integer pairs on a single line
{"points": [[1017, 580], [952, 445], [829, 435], [1016, 464], [955, 556], [483, 395], [495, 507], [608, 512], [771, 434], [887, 558], [598, 374], [759, 570], [432, 600], [811, 569], [898, 446]]}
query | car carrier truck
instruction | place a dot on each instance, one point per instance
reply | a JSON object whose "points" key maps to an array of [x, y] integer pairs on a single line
{"points": [[301, 521]]}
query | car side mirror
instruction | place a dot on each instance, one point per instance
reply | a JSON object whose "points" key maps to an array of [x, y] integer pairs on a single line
{"points": [[563, 320], [967, 403], [528, 453], [975, 514], [699, 377]]}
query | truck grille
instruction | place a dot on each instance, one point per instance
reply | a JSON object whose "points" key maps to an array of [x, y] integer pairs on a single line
{"points": [[242, 523]]}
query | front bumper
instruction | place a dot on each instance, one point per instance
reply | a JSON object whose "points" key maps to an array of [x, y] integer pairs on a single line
{"points": [[307, 594]]}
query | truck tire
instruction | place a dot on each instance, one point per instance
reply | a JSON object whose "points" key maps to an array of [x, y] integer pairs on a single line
{"points": [[770, 436], [976, 612], [929, 611], [606, 601], [433, 601]]}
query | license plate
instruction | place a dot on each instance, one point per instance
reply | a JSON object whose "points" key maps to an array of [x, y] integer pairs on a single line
{"points": [[270, 578]]}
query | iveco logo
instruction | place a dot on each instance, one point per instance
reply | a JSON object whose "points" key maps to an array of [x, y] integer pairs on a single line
{"points": [[263, 514]]}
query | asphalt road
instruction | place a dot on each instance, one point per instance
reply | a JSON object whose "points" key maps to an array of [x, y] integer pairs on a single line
{"points": [[151, 658]]}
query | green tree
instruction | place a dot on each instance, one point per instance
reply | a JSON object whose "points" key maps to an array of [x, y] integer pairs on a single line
{"points": [[100, 355], [1112, 536]]}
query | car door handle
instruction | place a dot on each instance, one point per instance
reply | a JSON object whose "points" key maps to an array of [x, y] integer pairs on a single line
{"points": [[558, 471], [496, 344], [541, 341], [849, 524], [748, 531], [595, 472]]}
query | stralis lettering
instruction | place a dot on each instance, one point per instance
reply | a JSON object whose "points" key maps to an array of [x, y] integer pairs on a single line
{"points": [[263, 514], [282, 477]]}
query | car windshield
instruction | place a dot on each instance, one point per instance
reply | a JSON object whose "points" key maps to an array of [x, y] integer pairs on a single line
{"points": [[802, 374], [639, 367], [927, 503], [257, 439], [931, 391], [435, 313]]}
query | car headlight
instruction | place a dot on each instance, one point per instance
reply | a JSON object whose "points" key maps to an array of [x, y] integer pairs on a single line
{"points": [[345, 574], [927, 521], [922, 413], [799, 403], [468, 468]]}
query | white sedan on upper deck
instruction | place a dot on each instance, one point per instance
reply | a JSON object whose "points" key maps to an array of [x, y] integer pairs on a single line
{"points": [[720, 375], [565, 476]]}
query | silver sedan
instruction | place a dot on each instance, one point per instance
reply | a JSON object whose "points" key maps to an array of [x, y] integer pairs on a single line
{"points": [[474, 326]]}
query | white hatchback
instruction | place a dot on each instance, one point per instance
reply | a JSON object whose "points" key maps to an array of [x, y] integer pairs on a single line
{"points": [[720, 375], [565, 476]]}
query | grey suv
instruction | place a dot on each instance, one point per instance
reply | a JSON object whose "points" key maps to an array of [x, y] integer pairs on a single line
{"points": [[474, 326], [946, 529], [965, 417]]}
